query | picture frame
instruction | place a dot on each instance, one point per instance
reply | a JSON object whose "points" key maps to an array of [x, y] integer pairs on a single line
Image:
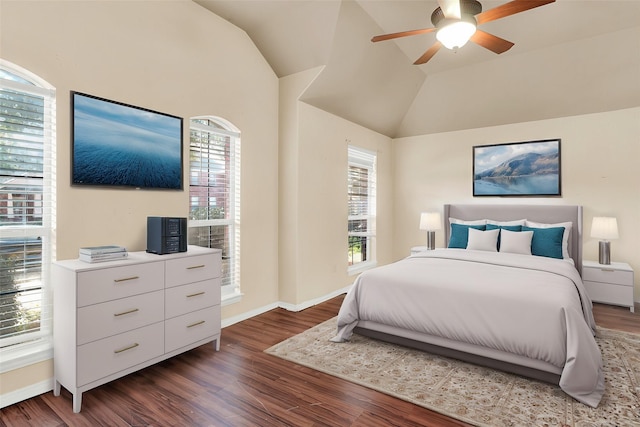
{"points": [[518, 169]]}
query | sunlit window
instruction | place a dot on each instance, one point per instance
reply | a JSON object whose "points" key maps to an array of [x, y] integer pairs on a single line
{"points": [[27, 152], [214, 194], [362, 208]]}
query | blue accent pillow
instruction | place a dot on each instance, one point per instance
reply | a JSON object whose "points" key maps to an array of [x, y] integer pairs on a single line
{"points": [[546, 241], [506, 227], [460, 235]]}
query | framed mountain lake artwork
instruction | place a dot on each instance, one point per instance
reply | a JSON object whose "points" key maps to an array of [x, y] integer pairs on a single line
{"points": [[518, 169]]}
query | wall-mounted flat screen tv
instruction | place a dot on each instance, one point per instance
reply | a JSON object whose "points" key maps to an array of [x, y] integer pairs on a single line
{"points": [[120, 145]]}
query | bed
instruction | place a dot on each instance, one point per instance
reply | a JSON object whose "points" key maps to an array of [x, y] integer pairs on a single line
{"points": [[507, 309]]}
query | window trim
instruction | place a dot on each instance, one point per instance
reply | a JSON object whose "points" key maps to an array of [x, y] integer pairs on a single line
{"points": [[36, 347], [232, 292], [363, 158]]}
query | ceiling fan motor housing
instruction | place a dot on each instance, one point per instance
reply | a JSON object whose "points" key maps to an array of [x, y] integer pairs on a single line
{"points": [[467, 7]]}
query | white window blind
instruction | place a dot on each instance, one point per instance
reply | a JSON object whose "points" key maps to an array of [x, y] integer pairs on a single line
{"points": [[27, 156], [362, 208], [214, 192]]}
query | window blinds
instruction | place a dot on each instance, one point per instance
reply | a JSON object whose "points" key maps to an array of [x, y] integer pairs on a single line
{"points": [[214, 193], [362, 205], [27, 150]]}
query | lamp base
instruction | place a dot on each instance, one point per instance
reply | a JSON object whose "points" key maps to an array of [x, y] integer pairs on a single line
{"points": [[431, 240], [604, 253]]}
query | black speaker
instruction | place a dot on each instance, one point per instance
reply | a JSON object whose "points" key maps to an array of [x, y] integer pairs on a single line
{"points": [[166, 235]]}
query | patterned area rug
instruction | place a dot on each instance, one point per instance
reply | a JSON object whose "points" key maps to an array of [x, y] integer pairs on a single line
{"points": [[473, 394]]}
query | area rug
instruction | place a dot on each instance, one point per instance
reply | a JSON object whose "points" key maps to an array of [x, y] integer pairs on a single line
{"points": [[470, 393]]}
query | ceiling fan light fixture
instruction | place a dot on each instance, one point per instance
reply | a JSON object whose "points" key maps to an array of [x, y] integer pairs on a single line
{"points": [[456, 33]]}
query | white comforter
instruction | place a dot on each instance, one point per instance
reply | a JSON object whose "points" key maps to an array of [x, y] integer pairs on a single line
{"points": [[531, 306]]}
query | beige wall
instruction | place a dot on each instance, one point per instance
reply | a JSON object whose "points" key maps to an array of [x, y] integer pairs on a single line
{"points": [[313, 202], [599, 155], [170, 56], [322, 209]]}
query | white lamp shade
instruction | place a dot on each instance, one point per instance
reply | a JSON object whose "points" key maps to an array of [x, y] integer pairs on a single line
{"points": [[604, 227], [456, 34], [430, 221]]}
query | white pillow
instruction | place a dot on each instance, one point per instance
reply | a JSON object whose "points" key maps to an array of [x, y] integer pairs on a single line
{"points": [[565, 236], [465, 222], [483, 240], [516, 222], [516, 242]]}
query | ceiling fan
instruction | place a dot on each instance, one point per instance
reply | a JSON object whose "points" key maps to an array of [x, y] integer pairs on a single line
{"points": [[455, 22]]}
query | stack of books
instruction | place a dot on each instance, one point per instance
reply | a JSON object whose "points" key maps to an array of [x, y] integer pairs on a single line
{"points": [[102, 253]]}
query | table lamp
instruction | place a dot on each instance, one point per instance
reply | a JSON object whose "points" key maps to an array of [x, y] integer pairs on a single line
{"points": [[604, 228], [431, 222]]}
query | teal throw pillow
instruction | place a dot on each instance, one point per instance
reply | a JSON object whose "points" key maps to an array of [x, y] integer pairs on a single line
{"points": [[546, 241]]}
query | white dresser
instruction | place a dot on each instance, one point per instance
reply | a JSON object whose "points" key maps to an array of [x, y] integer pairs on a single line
{"points": [[116, 317]]}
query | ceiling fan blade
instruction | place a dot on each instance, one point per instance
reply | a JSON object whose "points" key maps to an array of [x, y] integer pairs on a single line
{"points": [[428, 54], [511, 8], [450, 8], [401, 34], [491, 42]]}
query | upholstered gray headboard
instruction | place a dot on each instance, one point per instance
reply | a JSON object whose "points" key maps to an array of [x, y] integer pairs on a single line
{"points": [[539, 213]]}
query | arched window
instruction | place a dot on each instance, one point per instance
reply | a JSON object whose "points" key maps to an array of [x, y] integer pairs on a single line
{"points": [[214, 194], [27, 206]]}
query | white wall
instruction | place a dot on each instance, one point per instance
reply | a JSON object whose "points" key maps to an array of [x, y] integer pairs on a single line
{"points": [[170, 56], [599, 155]]}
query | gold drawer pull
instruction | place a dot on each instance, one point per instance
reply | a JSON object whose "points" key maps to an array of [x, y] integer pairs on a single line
{"points": [[134, 345], [195, 295], [126, 312], [195, 266], [126, 278], [195, 324]]}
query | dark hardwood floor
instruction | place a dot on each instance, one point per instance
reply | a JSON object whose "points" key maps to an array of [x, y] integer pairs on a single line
{"points": [[243, 386]]}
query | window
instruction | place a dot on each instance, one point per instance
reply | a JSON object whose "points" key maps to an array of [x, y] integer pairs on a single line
{"points": [[27, 158], [214, 193], [362, 209]]}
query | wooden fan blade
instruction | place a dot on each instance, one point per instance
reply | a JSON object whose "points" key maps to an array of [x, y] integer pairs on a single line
{"points": [[491, 42], [401, 34], [511, 8], [450, 8], [428, 54]]}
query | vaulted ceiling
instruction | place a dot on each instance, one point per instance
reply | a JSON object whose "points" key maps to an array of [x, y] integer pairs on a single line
{"points": [[570, 57]]}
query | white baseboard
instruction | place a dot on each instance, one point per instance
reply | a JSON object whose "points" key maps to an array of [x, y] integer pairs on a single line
{"points": [[247, 315], [291, 307], [316, 301], [25, 393]]}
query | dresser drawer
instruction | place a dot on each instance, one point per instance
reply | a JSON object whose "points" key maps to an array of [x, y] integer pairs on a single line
{"points": [[110, 355], [192, 327], [610, 293], [605, 275], [191, 269], [113, 317], [107, 284], [194, 296]]}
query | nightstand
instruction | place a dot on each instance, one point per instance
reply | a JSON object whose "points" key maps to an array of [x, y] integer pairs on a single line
{"points": [[418, 249], [610, 284]]}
